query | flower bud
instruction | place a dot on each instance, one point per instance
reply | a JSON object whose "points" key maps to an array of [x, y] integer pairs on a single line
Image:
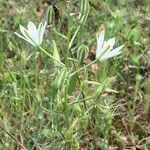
{"points": [[84, 6], [84, 10], [55, 54], [82, 53], [61, 77], [49, 15]]}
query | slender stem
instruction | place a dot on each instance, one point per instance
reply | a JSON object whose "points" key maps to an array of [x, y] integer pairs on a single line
{"points": [[88, 64], [43, 50], [19, 143], [73, 37], [84, 67], [74, 65]]}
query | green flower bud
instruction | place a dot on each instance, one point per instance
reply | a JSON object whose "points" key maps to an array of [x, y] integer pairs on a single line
{"points": [[50, 15], [82, 53], [84, 6], [55, 54], [61, 77], [84, 10]]}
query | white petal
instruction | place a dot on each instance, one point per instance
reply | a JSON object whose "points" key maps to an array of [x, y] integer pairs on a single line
{"points": [[100, 42], [110, 54], [25, 39], [33, 32], [100, 39], [27, 35], [31, 27], [40, 36], [20, 36], [33, 36], [113, 52], [22, 29], [111, 42], [41, 33], [109, 45]]}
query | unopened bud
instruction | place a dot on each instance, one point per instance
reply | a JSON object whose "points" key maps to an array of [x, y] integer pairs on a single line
{"points": [[50, 14], [84, 6], [84, 10], [55, 54], [82, 53], [61, 77]]}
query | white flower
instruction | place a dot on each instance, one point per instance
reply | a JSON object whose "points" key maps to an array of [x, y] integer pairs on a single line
{"points": [[105, 49], [32, 35]]}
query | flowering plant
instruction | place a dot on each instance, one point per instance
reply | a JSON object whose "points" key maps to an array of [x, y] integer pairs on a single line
{"points": [[32, 35], [105, 49]]}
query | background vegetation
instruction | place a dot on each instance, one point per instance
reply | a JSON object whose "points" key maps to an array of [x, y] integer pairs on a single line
{"points": [[106, 106]]}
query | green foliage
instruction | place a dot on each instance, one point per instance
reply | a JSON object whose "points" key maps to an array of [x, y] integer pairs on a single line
{"points": [[56, 96]]}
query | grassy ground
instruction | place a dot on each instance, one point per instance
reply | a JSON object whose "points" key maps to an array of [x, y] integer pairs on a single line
{"points": [[104, 106]]}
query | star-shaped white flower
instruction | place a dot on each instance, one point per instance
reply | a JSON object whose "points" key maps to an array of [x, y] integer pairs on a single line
{"points": [[105, 48], [32, 35]]}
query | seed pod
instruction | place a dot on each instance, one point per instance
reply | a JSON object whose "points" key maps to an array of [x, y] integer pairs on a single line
{"points": [[50, 15], [61, 77], [84, 10], [55, 54], [82, 53], [84, 6]]}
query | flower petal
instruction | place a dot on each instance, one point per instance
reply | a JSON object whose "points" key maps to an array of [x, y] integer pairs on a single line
{"points": [[40, 36], [25, 39], [27, 35], [33, 32], [109, 45], [22, 29], [111, 42], [20, 36], [100, 42], [41, 31], [112, 53], [100, 39], [32, 35], [31, 26]]}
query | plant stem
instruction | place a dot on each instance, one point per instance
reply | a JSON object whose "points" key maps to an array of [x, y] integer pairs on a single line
{"points": [[43, 50], [84, 67], [19, 143]]}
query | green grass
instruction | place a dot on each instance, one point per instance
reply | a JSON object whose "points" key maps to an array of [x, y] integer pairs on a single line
{"points": [[44, 106]]}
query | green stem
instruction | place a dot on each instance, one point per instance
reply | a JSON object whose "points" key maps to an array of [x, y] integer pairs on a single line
{"points": [[43, 50], [84, 67], [18, 142], [73, 37]]}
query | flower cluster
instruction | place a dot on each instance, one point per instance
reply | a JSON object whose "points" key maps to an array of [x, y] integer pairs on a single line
{"points": [[104, 49]]}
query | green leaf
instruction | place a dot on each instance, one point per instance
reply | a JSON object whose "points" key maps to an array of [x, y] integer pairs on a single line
{"points": [[50, 134], [53, 91], [72, 84], [55, 54]]}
